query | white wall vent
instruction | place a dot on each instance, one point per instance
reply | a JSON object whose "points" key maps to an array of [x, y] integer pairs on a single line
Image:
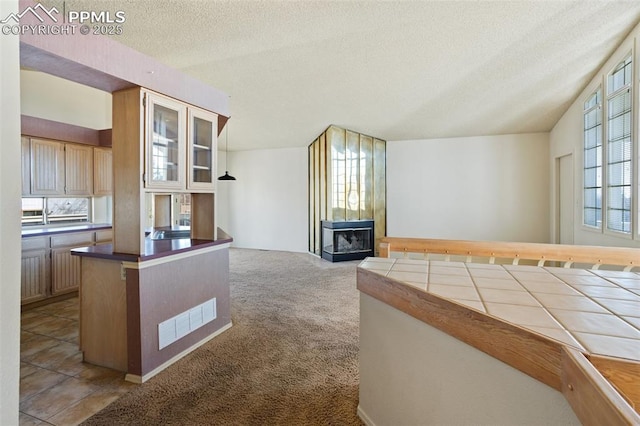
{"points": [[182, 324]]}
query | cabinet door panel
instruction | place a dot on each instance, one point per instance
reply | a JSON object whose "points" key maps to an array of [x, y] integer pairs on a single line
{"points": [[165, 143], [65, 271], [74, 239], [202, 136], [78, 169], [102, 171], [34, 275], [47, 167]]}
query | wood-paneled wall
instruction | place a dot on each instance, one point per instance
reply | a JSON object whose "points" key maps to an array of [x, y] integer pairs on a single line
{"points": [[347, 181]]}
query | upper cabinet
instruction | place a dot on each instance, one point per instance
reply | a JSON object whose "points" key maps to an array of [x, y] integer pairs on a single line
{"points": [[180, 145], [176, 151], [78, 167], [47, 167], [202, 135], [166, 145], [52, 168], [102, 171]]}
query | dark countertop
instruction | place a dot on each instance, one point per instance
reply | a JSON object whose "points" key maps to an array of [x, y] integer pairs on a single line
{"points": [[52, 230], [153, 248]]}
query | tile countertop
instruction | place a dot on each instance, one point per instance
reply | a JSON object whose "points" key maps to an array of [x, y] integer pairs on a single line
{"points": [[594, 311]]}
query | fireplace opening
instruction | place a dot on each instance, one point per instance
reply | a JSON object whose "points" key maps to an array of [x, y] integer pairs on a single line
{"points": [[346, 240]]}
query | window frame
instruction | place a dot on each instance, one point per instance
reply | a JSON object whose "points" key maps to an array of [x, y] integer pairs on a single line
{"points": [[603, 84], [598, 106], [630, 87]]}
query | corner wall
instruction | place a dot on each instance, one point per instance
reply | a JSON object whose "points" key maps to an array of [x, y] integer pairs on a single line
{"points": [[54, 98], [10, 193], [472, 188], [567, 138], [268, 201]]}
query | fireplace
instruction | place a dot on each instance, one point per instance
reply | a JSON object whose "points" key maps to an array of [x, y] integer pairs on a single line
{"points": [[346, 240]]}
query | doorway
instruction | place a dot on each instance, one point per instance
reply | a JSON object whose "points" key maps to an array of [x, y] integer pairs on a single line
{"points": [[564, 199]]}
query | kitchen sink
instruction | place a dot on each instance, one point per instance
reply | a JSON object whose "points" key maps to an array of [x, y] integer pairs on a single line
{"points": [[170, 234]]}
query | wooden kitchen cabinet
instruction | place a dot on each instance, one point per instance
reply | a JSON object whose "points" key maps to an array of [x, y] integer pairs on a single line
{"points": [[34, 269], [180, 145], [102, 171], [78, 167], [202, 136], [47, 167], [165, 142], [52, 168], [176, 153], [65, 269], [48, 269]]}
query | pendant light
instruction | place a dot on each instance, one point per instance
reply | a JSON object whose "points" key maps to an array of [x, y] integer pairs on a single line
{"points": [[226, 175]]}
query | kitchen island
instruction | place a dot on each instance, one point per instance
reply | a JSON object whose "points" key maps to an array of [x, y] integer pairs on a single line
{"points": [[471, 342], [141, 313]]}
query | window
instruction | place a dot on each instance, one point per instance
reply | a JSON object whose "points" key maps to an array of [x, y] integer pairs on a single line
{"points": [[619, 148], [592, 214], [44, 211]]}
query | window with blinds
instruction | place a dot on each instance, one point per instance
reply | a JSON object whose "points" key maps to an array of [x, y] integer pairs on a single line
{"points": [[592, 206], [619, 148]]}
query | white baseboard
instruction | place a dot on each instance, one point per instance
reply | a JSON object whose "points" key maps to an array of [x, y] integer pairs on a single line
{"points": [[134, 378], [363, 416]]}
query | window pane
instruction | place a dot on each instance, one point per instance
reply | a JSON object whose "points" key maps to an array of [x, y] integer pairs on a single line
{"points": [[591, 178], [32, 211], [592, 157], [619, 104], [67, 210], [620, 150], [592, 119], [621, 75], [592, 137], [593, 100], [619, 174], [592, 198], [592, 217], [620, 127]]}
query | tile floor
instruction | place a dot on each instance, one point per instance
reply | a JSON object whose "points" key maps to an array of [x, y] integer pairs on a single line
{"points": [[56, 387], [595, 311]]}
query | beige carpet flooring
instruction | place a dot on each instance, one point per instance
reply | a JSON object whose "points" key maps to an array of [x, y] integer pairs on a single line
{"points": [[291, 357]]}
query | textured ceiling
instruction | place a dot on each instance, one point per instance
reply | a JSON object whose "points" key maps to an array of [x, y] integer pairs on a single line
{"points": [[394, 70]]}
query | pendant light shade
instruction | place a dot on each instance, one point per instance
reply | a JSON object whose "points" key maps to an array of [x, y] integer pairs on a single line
{"points": [[226, 175]]}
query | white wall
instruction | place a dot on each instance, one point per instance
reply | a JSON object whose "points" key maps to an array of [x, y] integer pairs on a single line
{"points": [[474, 188], [9, 222], [566, 138], [54, 98], [268, 201], [222, 193], [460, 385]]}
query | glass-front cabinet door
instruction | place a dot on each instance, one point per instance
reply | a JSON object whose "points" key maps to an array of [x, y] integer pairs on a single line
{"points": [[166, 143], [202, 135]]}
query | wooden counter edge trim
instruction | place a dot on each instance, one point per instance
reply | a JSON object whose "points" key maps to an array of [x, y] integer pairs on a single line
{"points": [[195, 251], [526, 351], [622, 374], [595, 255], [594, 400]]}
